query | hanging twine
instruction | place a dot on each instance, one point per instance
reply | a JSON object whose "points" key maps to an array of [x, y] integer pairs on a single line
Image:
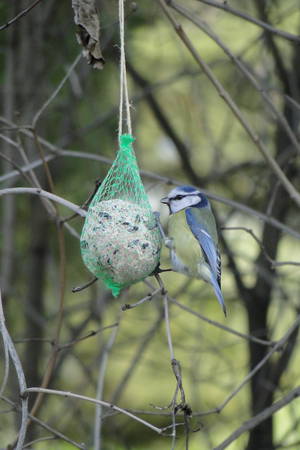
{"points": [[124, 97], [120, 241]]}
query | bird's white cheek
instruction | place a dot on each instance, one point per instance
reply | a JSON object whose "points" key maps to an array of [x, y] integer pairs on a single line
{"points": [[175, 209], [177, 206]]}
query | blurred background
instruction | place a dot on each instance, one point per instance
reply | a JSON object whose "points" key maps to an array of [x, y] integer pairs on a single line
{"points": [[59, 131]]}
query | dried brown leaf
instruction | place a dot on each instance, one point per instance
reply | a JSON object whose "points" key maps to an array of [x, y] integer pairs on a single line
{"points": [[88, 33]]}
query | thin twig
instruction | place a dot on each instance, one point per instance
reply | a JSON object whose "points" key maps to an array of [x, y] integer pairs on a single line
{"points": [[55, 348], [47, 427], [6, 364], [247, 337], [170, 345], [34, 179], [263, 415], [255, 369], [241, 66], [144, 342], [266, 26], [176, 368], [100, 386], [18, 16], [46, 194], [62, 279], [289, 187], [56, 91], [68, 394], [84, 286], [232, 203], [87, 336], [42, 439], [148, 298], [272, 261], [16, 166], [21, 378], [45, 163]]}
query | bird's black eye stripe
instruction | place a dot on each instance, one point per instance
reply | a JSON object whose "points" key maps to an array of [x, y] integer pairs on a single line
{"points": [[180, 197]]}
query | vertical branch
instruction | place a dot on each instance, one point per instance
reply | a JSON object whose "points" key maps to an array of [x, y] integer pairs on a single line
{"points": [[172, 357], [61, 243], [8, 217], [45, 105], [168, 328], [279, 64], [53, 357], [6, 366], [100, 386], [21, 378], [34, 297], [176, 368]]}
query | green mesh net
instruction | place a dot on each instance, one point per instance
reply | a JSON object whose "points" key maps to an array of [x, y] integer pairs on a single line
{"points": [[120, 240]]}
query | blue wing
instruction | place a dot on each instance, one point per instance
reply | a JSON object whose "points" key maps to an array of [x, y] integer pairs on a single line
{"points": [[210, 251]]}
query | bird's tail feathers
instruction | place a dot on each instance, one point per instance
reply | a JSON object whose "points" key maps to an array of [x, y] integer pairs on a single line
{"points": [[218, 293]]}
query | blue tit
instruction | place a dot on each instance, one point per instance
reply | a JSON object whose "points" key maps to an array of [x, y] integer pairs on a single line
{"points": [[192, 237]]}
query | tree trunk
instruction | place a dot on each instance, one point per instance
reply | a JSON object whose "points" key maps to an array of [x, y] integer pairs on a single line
{"points": [[266, 381]]}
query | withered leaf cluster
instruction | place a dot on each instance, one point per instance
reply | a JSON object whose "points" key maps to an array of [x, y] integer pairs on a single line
{"points": [[86, 18]]}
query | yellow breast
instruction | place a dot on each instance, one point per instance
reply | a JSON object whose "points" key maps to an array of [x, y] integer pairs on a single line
{"points": [[185, 246]]}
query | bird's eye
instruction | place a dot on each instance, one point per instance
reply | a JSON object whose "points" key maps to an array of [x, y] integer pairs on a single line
{"points": [[179, 197]]}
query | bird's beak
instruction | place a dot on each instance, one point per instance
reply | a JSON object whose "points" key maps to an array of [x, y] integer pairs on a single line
{"points": [[165, 200]]}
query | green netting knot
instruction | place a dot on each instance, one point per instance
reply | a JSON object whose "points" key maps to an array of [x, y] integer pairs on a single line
{"points": [[113, 286], [125, 141], [120, 240]]}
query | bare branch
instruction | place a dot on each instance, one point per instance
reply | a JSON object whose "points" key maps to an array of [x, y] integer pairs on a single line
{"points": [[259, 242], [176, 368], [18, 16], [148, 298], [254, 421], [47, 427], [242, 67], [6, 364], [77, 154], [45, 194], [21, 378], [247, 337], [266, 26], [276, 347], [144, 342], [55, 92], [67, 394], [87, 336], [294, 194], [100, 385]]}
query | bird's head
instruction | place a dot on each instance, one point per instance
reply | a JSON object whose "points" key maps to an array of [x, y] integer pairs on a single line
{"points": [[184, 197]]}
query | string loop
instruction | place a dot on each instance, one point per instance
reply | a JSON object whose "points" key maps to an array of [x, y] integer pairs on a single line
{"points": [[124, 97]]}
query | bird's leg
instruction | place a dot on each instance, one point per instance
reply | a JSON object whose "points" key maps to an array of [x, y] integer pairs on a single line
{"points": [[157, 218], [168, 242], [158, 270]]}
